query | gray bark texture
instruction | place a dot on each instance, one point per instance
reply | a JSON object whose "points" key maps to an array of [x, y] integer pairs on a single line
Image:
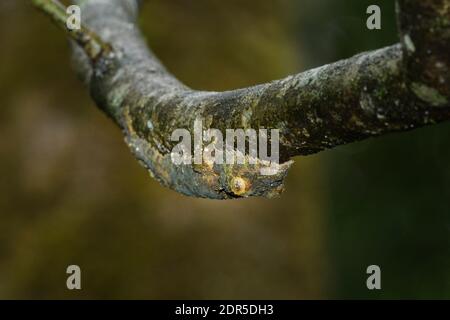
{"points": [[398, 88]]}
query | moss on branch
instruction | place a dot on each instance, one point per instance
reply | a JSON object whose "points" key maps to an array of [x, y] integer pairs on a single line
{"points": [[397, 88], [91, 43]]}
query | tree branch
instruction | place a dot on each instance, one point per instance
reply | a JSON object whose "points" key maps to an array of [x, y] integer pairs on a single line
{"points": [[398, 88], [92, 45]]}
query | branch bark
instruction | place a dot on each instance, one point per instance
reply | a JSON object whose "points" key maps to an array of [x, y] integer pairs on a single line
{"points": [[393, 89]]}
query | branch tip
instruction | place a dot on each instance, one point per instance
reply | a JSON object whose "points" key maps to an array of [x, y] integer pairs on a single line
{"points": [[89, 41]]}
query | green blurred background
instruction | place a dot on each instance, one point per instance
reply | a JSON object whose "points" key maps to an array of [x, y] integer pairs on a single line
{"points": [[71, 192]]}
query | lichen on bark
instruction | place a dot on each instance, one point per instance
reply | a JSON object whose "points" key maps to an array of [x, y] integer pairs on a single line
{"points": [[397, 88]]}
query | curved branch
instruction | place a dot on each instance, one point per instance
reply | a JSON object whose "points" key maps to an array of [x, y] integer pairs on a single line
{"points": [[398, 88]]}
